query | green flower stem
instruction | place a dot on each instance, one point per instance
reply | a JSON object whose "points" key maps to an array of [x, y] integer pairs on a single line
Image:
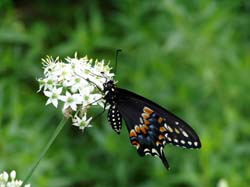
{"points": [[52, 139]]}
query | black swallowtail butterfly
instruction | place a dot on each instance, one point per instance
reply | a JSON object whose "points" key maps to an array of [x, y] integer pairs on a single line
{"points": [[150, 126]]}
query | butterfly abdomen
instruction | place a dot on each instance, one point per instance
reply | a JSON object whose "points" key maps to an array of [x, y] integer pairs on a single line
{"points": [[115, 118]]}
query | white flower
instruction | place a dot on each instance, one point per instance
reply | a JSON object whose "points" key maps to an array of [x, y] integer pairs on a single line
{"points": [[82, 123], [92, 99], [63, 71], [47, 83], [71, 100], [4, 177], [77, 83], [13, 175], [222, 183], [13, 181], [104, 69], [53, 95]]}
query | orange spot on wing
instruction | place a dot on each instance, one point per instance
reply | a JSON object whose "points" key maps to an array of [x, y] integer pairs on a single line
{"points": [[136, 144], [144, 129], [146, 122], [137, 129], [132, 133], [160, 119], [162, 129], [158, 143], [148, 110], [161, 137], [145, 115]]}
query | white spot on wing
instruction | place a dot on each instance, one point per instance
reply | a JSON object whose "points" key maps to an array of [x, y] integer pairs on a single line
{"points": [[155, 151], [146, 150], [185, 134], [161, 149], [165, 125], [141, 120], [169, 129]]}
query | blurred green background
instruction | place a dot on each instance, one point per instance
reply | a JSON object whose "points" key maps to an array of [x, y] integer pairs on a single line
{"points": [[192, 57]]}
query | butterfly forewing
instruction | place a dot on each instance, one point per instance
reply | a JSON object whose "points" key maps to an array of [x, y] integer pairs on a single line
{"points": [[180, 133], [177, 129]]}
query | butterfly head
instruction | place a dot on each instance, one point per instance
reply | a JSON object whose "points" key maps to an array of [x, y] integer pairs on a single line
{"points": [[110, 91], [109, 86]]}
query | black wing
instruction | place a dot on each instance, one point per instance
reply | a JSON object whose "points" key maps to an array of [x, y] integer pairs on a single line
{"points": [[151, 126]]}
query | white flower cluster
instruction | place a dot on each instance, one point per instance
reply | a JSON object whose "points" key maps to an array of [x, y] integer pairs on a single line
{"points": [[77, 83], [4, 180]]}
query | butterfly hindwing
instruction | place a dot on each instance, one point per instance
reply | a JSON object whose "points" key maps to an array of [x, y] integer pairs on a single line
{"points": [[149, 136]]}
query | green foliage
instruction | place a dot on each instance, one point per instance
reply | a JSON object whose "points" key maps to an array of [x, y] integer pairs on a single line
{"points": [[190, 56]]}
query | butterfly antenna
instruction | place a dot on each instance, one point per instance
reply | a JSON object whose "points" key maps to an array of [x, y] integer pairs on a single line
{"points": [[116, 59], [89, 81]]}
